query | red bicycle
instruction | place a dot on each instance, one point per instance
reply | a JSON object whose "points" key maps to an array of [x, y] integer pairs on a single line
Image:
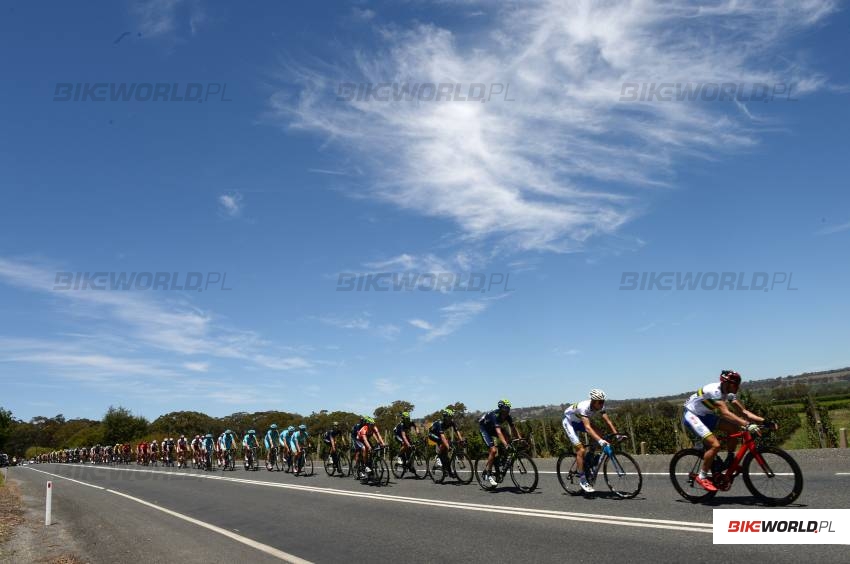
{"points": [[770, 473]]}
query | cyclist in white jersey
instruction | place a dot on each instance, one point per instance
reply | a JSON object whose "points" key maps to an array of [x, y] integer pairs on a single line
{"points": [[577, 419], [707, 410]]}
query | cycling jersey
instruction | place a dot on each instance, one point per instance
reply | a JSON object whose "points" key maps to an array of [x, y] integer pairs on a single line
{"points": [[182, 444], [226, 441], [704, 401], [284, 438], [271, 438], [493, 419], [439, 428], [196, 444], [209, 443], [250, 441], [403, 427], [333, 433], [298, 438]]}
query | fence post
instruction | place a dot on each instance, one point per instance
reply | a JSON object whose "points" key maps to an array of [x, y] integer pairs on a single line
{"points": [[545, 438], [643, 448], [842, 437], [49, 504], [631, 431]]}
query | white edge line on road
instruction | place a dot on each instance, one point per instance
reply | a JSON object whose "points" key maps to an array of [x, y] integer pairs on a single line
{"points": [[522, 511], [270, 550]]}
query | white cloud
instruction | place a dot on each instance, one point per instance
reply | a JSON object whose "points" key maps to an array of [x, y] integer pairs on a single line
{"points": [[160, 18], [231, 204], [421, 324], [386, 386], [562, 351], [528, 174], [196, 366], [452, 318], [834, 229], [361, 322]]}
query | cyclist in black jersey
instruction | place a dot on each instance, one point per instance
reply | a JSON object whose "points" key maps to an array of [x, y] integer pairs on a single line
{"points": [[490, 426], [437, 433], [401, 432]]}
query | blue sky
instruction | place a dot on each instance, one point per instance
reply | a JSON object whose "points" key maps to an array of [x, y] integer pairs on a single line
{"points": [[283, 186]]}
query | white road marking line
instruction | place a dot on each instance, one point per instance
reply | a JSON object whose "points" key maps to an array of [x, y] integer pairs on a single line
{"points": [[521, 511], [270, 550]]}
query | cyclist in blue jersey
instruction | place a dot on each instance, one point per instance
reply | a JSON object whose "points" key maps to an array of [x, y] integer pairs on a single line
{"points": [[284, 443], [227, 442], [297, 441], [249, 441], [209, 448], [438, 433], [271, 439], [490, 425], [401, 433]]}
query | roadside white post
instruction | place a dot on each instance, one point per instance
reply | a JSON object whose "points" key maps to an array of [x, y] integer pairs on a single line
{"points": [[842, 437], [643, 448], [47, 507]]}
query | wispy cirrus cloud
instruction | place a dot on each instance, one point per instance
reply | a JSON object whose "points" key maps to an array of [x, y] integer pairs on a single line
{"points": [[230, 205], [452, 318], [566, 161], [158, 18]]}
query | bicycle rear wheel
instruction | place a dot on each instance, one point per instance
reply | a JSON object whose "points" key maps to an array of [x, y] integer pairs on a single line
{"points": [[568, 473], [330, 465], [684, 468], [524, 473], [776, 479], [399, 469], [307, 466], [418, 465], [438, 473], [623, 476], [462, 468], [385, 472]]}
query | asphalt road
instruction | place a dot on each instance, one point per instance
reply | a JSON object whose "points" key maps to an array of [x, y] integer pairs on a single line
{"points": [[322, 519]]}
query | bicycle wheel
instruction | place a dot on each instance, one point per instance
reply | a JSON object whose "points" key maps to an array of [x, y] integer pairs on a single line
{"points": [[418, 465], [524, 473], [344, 467], [330, 465], [479, 465], [462, 468], [624, 479], [684, 468], [399, 469], [568, 473], [307, 466], [438, 473], [385, 472], [776, 479]]}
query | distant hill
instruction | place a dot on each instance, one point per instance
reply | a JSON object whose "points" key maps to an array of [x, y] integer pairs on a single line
{"points": [[829, 381]]}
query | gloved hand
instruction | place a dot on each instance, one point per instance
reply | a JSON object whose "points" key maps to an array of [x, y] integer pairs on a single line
{"points": [[603, 443], [754, 429]]}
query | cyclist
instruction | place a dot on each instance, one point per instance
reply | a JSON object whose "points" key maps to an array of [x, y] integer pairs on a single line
{"points": [[250, 442], [437, 433], [208, 446], [297, 440], [576, 420], [271, 439], [168, 450], [142, 452], [707, 410], [196, 449], [401, 433], [491, 424], [227, 443], [330, 437], [182, 450], [284, 443], [367, 430], [154, 449]]}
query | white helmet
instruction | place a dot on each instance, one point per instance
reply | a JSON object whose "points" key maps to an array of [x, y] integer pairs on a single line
{"points": [[597, 394]]}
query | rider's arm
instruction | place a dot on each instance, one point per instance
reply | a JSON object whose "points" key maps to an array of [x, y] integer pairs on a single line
{"points": [[610, 423], [378, 434], [515, 431], [501, 435], [588, 427], [727, 414], [747, 413]]}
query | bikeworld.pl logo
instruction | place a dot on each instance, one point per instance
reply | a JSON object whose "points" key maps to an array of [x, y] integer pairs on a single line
{"points": [[781, 526], [423, 282], [103, 281], [722, 281], [140, 92]]}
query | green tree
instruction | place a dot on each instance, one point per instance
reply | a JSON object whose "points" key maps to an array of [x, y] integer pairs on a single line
{"points": [[120, 425], [5, 426]]}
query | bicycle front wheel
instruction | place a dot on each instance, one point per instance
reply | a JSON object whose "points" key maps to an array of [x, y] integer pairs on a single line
{"points": [[436, 470], [330, 466], [307, 465], [418, 465], [399, 469], [524, 473], [773, 476], [462, 468], [684, 468], [568, 473], [622, 474]]}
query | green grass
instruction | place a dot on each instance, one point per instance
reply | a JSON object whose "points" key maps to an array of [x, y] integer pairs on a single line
{"points": [[840, 418], [800, 438]]}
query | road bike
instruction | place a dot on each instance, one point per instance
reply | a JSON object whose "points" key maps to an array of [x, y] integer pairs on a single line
{"points": [[770, 473], [336, 463], [250, 460], [514, 460], [379, 471], [229, 460], [413, 461], [304, 462], [460, 466], [621, 472], [273, 461]]}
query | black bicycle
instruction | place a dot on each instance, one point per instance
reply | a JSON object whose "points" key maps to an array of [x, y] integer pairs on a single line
{"points": [[460, 466], [413, 461], [379, 471], [621, 472], [513, 460], [250, 460], [273, 461], [303, 463], [229, 460], [336, 463]]}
